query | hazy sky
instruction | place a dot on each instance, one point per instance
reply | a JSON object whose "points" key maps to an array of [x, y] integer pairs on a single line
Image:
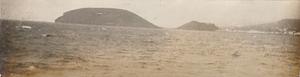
{"points": [[165, 13]]}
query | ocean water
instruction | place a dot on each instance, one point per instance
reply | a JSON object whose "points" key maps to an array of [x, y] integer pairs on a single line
{"points": [[101, 51]]}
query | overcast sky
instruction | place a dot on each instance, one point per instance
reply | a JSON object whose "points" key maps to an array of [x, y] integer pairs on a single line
{"points": [[164, 13]]}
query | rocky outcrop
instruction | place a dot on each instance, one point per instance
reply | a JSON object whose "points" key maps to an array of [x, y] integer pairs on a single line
{"points": [[104, 16], [194, 25]]}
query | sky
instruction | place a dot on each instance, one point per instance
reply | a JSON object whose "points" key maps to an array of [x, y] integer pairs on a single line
{"points": [[164, 13]]}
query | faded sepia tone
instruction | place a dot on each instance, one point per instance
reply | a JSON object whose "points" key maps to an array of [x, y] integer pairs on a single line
{"points": [[166, 13], [143, 38]]}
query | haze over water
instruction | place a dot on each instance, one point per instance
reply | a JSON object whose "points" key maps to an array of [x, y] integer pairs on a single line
{"points": [[41, 49]]}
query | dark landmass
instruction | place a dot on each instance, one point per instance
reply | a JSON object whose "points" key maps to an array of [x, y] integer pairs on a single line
{"points": [[194, 25], [104, 16]]}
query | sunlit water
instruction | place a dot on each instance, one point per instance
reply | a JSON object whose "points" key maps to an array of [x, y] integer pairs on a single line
{"points": [[128, 52]]}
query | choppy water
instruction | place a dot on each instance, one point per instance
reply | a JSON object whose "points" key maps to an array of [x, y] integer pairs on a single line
{"points": [[95, 51]]}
